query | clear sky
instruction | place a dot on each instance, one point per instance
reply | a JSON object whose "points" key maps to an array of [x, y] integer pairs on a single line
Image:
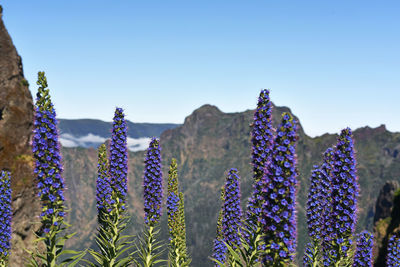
{"points": [[334, 63]]}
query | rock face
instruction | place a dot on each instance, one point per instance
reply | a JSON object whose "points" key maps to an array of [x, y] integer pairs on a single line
{"points": [[383, 220], [384, 203], [16, 118]]}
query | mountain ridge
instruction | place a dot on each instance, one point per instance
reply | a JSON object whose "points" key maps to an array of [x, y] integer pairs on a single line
{"points": [[211, 142]]}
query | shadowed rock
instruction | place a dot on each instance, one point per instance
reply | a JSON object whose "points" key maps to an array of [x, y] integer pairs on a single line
{"points": [[16, 118]]}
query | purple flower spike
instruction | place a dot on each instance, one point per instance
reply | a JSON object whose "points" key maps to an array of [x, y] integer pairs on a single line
{"points": [[103, 187], [219, 249], [262, 138], [153, 183], [46, 150], [119, 157], [393, 251], [262, 134], [363, 256], [232, 212], [280, 195], [5, 216], [326, 203], [308, 258], [314, 205], [344, 196]]}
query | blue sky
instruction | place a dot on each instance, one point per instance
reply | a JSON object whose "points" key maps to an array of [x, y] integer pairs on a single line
{"points": [[334, 63]]}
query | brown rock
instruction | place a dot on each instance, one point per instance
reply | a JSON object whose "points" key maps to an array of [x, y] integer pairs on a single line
{"points": [[16, 117], [384, 203]]}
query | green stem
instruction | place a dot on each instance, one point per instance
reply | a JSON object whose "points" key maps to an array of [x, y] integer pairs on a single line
{"points": [[114, 238], [51, 249], [149, 247], [315, 254]]}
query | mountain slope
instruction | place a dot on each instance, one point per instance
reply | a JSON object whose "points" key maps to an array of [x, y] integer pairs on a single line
{"points": [[206, 145]]}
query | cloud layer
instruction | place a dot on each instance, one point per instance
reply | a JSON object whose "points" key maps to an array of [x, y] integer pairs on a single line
{"points": [[91, 140]]}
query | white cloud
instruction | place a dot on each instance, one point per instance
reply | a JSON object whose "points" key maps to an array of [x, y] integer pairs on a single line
{"points": [[91, 140], [67, 143], [137, 144]]}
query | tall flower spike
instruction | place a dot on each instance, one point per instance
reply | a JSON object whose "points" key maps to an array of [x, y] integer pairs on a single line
{"points": [[46, 150], [119, 157], [48, 170], [280, 196], [173, 200], [326, 203], [219, 249], [182, 232], [309, 258], [103, 187], [153, 183], [176, 219], [393, 251], [5, 217], [363, 256], [232, 211], [314, 206], [344, 196], [262, 138]]}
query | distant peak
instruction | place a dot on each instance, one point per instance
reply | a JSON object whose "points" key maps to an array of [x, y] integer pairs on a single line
{"points": [[202, 113], [367, 132], [207, 108], [382, 127]]}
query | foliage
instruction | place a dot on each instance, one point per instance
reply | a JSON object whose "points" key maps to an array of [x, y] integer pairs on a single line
{"points": [[48, 170], [177, 255], [112, 221]]}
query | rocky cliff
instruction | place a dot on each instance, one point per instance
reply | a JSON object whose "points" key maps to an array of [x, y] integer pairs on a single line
{"points": [[16, 118], [206, 145], [387, 219]]}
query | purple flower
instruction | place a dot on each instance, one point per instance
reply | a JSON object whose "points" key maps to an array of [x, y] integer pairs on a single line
{"points": [[343, 195], [103, 187], [284, 220], [309, 256], [5, 215], [119, 157], [173, 201], [152, 184], [219, 251], [363, 256], [232, 212], [314, 205], [219, 248], [261, 137], [393, 251], [46, 150]]}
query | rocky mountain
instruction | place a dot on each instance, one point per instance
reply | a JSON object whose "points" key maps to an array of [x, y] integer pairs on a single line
{"points": [[92, 133], [206, 145], [16, 118]]}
